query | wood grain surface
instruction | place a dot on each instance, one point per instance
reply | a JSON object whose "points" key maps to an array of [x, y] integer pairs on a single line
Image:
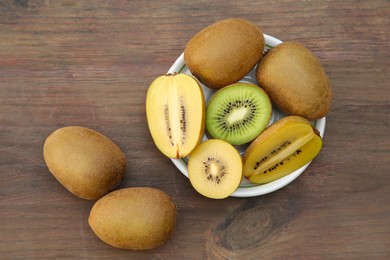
{"points": [[90, 63]]}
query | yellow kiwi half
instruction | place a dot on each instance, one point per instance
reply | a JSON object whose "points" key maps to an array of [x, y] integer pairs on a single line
{"points": [[215, 169], [175, 111], [282, 148]]}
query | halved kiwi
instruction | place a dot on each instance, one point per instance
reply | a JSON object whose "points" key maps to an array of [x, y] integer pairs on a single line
{"points": [[238, 113], [282, 148], [215, 169], [175, 110]]}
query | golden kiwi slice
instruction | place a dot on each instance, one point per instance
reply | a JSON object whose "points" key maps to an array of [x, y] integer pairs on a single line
{"points": [[282, 148], [215, 169], [175, 110]]}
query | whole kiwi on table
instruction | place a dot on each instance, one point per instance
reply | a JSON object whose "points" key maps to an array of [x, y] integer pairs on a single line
{"points": [[91, 166], [85, 162], [137, 218], [289, 77]]}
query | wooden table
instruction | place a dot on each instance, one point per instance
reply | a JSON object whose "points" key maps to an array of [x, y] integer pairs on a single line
{"points": [[90, 63]]}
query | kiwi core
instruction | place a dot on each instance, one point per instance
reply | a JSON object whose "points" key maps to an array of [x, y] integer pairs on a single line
{"points": [[237, 115], [214, 170]]}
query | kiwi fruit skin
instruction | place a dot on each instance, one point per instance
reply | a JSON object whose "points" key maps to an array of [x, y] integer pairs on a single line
{"points": [[85, 162], [175, 111], [292, 133], [215, 169], [224, 52], [136, 218], [240, 135], [295, 81]]}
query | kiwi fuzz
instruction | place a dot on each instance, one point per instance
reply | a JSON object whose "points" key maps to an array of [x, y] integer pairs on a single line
{"points": [[295, 80], [151, 222], [238, 113], [224, 52], [87, 163]]}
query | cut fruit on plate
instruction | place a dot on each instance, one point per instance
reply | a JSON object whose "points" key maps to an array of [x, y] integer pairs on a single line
{"points": [[238, 113], [285, 146], [215, 168], [172, 101], [247, 189]]}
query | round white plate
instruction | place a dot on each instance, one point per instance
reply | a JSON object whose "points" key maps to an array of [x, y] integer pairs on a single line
{"points": [[247, 189]]}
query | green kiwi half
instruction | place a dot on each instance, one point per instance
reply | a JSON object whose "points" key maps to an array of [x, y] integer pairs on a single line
{"points": [[238, 113]]}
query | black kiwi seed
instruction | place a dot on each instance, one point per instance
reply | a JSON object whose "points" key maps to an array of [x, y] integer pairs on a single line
{"points": [[183, 121], [168, 128], [258, 163], [273, 152]]}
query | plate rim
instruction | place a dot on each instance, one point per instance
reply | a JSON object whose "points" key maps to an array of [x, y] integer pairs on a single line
{"points": [[261, 189]]}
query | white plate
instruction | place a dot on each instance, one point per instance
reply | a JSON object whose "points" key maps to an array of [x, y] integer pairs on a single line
{"points": [[247, 189]]}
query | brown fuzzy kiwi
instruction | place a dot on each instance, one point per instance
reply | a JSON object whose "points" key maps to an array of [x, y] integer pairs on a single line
{"points": [[137, 218], [85, 162], [224, 52], [295, 81]]}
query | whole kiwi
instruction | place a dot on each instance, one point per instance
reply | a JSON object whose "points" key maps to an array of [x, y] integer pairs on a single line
{"points": [[295, 81], [136, 218], [224, 52], [85, 162]]}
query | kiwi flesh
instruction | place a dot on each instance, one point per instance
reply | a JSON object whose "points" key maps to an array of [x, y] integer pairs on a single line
{"points": [[282, 148], [295, 80], [215, 169], [238, 113], [175, 111]]}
